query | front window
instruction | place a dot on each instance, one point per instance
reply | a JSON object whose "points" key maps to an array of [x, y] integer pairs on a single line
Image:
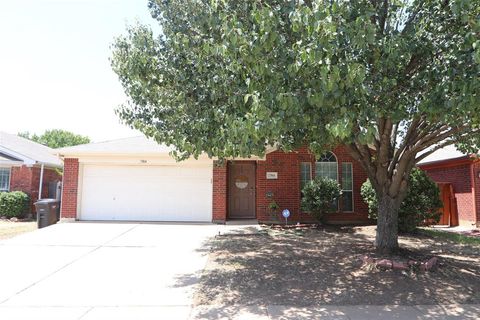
{"points": [[347, 187], [4, 179], [305, 173], [327, 167]]}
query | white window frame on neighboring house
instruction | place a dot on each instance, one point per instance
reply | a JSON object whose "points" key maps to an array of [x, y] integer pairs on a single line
{"points": [[9, 176]]}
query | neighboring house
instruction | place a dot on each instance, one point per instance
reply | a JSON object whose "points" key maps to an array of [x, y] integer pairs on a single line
{"points": [[458, 176], [136, 179], [28, 166]]}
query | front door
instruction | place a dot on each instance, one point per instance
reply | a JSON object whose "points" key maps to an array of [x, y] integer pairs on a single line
{"points": [[241, 197]]}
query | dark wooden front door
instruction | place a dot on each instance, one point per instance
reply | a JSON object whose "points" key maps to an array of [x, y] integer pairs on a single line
{"points": [[241, 190]]}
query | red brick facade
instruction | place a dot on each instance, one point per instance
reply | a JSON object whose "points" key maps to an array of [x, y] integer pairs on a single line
{"points": [[476, 179], [462, 174], [219, 201], [285, 190], [27, 179], [70, 188]]}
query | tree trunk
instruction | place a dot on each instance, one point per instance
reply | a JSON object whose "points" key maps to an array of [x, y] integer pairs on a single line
{"points": [[387, 224]]}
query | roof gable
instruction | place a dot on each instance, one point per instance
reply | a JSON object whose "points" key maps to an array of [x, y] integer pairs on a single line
{"points": [[447, 153], [27, 151], [139, 145], [133, 145]]}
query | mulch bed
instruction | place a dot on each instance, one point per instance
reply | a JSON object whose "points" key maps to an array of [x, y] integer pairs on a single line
{"points": [[317, 266]]}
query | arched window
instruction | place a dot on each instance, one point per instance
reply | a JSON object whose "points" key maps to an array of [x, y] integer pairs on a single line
{"points": [[327, 166]]}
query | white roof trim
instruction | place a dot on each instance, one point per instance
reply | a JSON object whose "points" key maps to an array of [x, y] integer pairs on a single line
{"points": [[30, 152], [4, 163], [26, 160], [139, 146], [449, 152]]}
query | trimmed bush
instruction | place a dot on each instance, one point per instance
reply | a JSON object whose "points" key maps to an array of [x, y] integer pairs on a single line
{"points": [[319, 196], [13, 204], [421, 203]]}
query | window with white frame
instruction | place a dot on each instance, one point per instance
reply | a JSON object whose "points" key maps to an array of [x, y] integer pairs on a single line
{"points": [[347, 187], [305, 173], [4, 179], [327, 167]]}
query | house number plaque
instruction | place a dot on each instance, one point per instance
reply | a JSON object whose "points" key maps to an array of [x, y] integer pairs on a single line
{"points": [[272, 175]]}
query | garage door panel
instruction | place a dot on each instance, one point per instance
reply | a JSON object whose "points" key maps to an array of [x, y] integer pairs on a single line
{"points": [[155, 193]]}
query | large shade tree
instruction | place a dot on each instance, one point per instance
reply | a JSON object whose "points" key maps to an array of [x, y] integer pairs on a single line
{"points": [[392, 80]]}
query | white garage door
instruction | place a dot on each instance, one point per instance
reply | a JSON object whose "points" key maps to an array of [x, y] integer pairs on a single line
{"points": [[146, 193]]}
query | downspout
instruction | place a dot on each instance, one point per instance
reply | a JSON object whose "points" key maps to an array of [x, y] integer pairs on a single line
{"points": [[41, 182]]}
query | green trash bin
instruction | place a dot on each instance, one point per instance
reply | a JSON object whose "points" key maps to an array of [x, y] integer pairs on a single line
{"points": [[48, 212]]}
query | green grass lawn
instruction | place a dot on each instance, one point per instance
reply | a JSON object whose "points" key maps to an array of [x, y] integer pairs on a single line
{"points": [[456, 237]]}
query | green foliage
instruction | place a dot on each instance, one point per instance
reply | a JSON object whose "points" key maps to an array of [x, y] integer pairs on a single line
{"points": [[230, 77], [421, 203], [319, 195], [273, 206], [56, 138], [391, 80], [13, 204], [24, 134], [452, 236]]}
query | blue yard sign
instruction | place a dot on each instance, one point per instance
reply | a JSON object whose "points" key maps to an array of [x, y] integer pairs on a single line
{"points": [[286, 214]]}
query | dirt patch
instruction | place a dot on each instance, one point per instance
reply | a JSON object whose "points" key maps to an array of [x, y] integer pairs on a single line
{"points": [[323, 266], [9, 229]]}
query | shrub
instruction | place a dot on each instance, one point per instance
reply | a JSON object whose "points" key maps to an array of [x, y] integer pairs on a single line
{"points": [[421, 203], [13, 204], [273, 206], [319, 196]]}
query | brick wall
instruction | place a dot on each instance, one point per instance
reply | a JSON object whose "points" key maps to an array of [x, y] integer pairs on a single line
{"points": [[49, 175], [70, 188], [27, 179], [286, 189], [21, 179], [219, 203], [460, 178], [476, 175]]}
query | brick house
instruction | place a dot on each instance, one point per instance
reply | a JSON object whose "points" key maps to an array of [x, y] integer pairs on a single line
{"points": [[29, 167], [458, 176], [136, 179]]}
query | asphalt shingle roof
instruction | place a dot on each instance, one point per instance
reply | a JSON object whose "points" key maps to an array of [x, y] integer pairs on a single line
{"points": [[16, 146]]}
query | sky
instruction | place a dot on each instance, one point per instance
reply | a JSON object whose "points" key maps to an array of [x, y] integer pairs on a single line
{"points": [[54, 65]]}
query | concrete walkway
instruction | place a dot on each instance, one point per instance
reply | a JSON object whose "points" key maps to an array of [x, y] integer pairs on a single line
{"points": [[118, 271], [187, 312], [449, 312]]}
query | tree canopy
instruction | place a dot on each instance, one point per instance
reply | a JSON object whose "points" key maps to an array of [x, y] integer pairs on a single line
{"points": [[56, 138], [392, 80]]}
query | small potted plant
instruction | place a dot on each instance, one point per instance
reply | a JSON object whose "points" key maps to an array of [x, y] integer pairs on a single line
{"points": [[273, 207]]}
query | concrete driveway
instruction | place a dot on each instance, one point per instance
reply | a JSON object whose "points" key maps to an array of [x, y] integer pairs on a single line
{"points": [[143, 271], [102, 271]]}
